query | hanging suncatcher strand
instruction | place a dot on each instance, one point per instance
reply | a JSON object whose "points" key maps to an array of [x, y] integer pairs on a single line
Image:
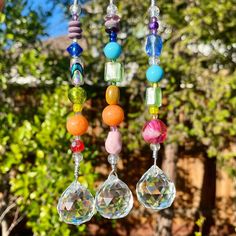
{"points": [[154, 189], [113, 199], [76, 205]]}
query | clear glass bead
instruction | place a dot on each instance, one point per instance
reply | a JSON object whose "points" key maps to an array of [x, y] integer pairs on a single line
{"points": [[78, 157], [114, 199], [154, 190], [113, 159], [112, 9], [75, 9], [154, 11], [155, 147], [76, 205], [154, 60]]}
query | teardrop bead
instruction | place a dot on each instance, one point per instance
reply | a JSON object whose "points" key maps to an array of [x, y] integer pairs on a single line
{"points": [[155, 190], [114, 199], [76, 205]]}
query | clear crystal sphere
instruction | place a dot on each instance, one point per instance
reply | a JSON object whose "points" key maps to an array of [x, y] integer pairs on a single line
{"points": [[76, 205], [154, 11], [112, 10], [114, 199], [155, 190]]}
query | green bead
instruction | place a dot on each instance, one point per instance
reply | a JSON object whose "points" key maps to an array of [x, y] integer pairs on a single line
{"points": [[114, 72], [77, 95], [154, 96]]}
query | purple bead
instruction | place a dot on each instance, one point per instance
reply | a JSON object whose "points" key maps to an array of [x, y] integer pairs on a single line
{"points": [[153, 25], [154, 19]]}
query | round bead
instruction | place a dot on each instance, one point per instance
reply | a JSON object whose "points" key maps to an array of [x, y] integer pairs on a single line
{"points": [[112, 50], [112, 95], [154, 131], [154, 73], [153, 25], [77, 107], [77, 146], [77, 125], [153, 110], [77, 95], [113, 115]]}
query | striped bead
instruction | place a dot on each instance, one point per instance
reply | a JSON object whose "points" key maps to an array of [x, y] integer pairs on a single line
{"points": [[75, 31]]}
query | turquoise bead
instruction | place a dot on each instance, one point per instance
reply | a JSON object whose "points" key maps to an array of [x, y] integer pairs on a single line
{"points": [[112, 50], [154, 73]]}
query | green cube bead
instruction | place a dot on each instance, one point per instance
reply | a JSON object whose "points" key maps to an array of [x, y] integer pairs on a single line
{"points": [[114, 72], [154, 96]]}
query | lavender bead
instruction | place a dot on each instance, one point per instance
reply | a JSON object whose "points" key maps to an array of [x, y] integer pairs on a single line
{"points": [[74, 23], [75, 29], [75, 35]]}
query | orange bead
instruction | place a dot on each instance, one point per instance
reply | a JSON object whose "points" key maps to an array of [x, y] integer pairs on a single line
{"points": [[77, 125], [113, 115]]}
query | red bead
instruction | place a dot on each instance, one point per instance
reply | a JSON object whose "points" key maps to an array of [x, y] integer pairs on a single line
{"points": [[77, 146]]}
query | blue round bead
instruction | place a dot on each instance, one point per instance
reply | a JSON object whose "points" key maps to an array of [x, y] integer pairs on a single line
{"points": [[154, 73], [112, 50]]}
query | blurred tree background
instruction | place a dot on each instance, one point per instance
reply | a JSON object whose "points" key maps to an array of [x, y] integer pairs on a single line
{"points": [[199, 107]]}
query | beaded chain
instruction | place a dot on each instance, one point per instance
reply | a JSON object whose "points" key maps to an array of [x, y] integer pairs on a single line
{"points": [[77, 124], [113, 199], [113, 114], [154, 189], [154, 131]]}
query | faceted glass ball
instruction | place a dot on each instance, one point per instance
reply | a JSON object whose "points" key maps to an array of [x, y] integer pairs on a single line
{"points": [[76, 205], [114, 199], [154, 190]]}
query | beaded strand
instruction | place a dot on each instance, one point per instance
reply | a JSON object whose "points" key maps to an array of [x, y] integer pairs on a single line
{"points": [[113, 114], [77, 124]]}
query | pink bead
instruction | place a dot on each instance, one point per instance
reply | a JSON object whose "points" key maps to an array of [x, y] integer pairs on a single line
{"points": [[154, 131], [113, 143]]}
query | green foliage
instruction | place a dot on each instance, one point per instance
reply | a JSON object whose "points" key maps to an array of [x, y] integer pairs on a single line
{"points": [[35, 163]]}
